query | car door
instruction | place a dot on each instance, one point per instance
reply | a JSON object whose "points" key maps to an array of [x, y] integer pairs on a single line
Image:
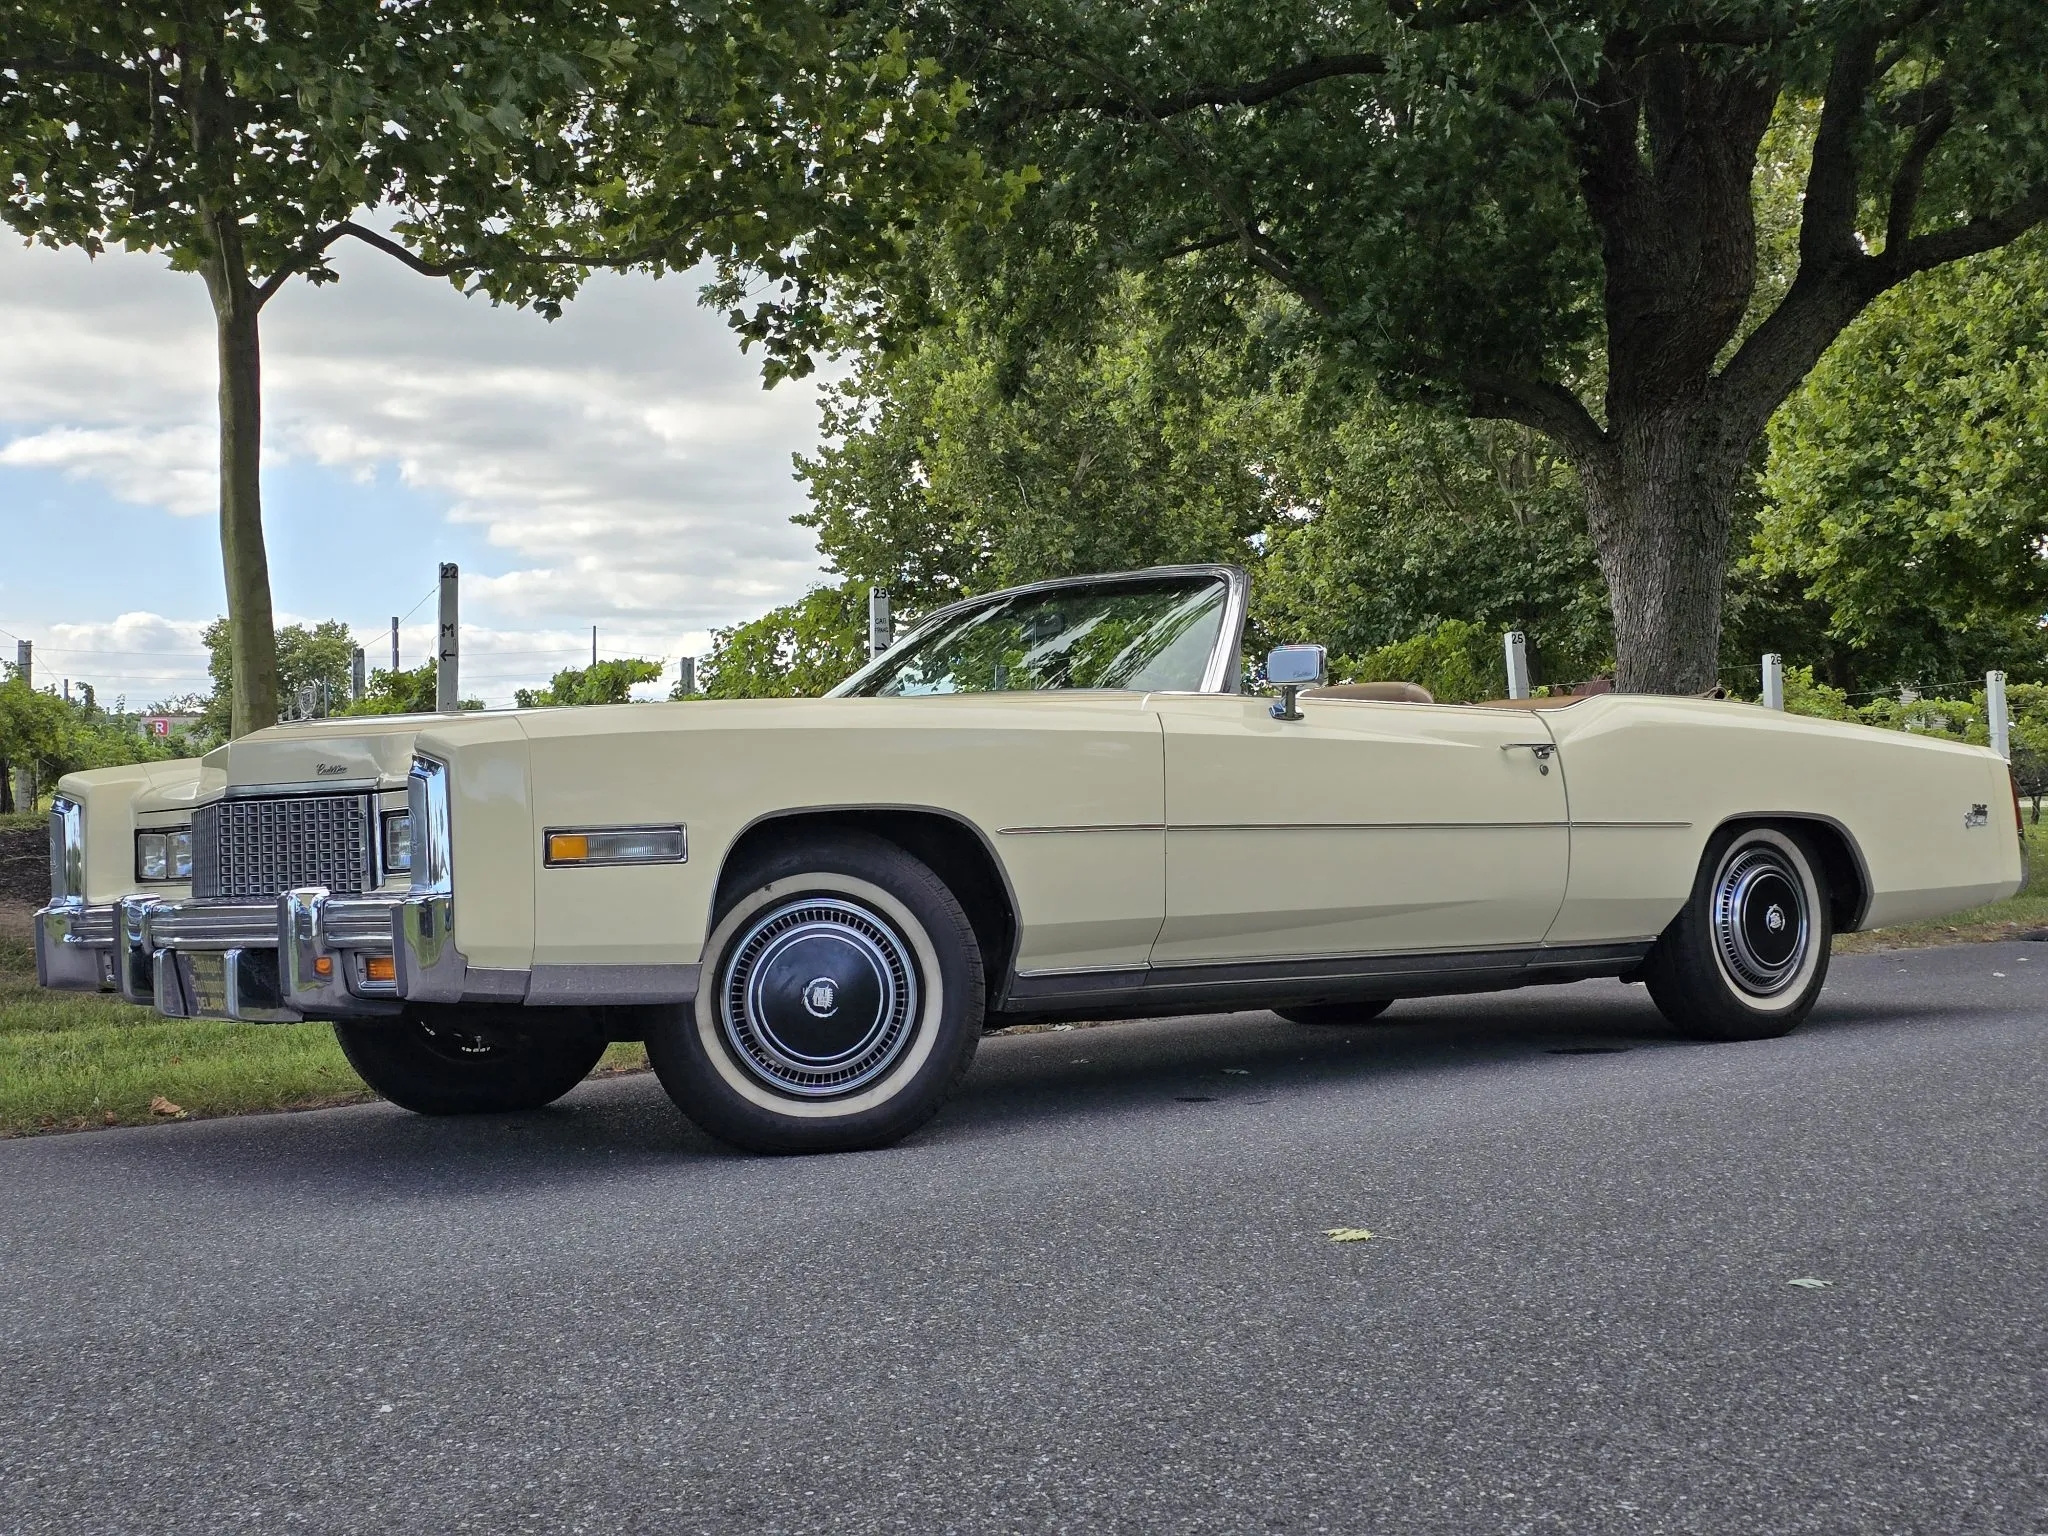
{"points": [[1362, 828]]}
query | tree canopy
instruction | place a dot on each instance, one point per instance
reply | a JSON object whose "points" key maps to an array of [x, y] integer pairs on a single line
{"points": [[1541, 214], [510, 149]]}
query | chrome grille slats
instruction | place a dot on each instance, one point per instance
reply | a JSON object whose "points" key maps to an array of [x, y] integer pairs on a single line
{"points": [[258, 847]]}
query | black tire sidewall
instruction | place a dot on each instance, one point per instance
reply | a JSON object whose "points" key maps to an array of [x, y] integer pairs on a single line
{"points": [[534, 1063], [1686, 976], [688, 1047]]}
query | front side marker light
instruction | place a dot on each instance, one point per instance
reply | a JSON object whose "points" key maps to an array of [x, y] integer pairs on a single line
{"points": [[572, 846], [380, 968]]}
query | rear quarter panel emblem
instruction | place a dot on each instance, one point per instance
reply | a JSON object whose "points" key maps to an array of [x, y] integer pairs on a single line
{"points": [[1977, 816]]}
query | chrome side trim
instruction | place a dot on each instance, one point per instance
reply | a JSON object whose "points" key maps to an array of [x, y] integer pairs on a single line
{"points": [[1107, 826], [1197, 986]]}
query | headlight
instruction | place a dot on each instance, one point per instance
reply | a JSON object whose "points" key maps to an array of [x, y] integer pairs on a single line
{"points": [[398, 841], [163, 856]]}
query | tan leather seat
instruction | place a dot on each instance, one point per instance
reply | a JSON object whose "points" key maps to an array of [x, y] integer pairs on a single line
{"points": [[1380, 693]]}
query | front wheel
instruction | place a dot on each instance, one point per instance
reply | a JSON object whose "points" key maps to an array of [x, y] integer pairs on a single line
{"points": [[1745, 958], [463, 1061], [841, 1000]]}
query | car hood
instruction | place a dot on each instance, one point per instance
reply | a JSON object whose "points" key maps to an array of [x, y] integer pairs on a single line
{"points": [[340, 753]]}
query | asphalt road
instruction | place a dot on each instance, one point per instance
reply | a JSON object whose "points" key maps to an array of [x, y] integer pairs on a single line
{"points": [[1096, 1295]]}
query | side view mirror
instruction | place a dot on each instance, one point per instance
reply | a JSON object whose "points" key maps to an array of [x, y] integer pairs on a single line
{"points": [[1291, 668]]}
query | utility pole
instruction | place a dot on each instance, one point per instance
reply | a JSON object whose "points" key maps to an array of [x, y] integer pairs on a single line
{"points": [[686, 675], [25, 662], [1517, 647], [448, 658], [357, 680], [593, 645], [394, 645]]}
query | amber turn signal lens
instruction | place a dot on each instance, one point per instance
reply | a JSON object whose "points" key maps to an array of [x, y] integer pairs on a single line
{"points": [[380, 968], [568, 847], [323, 965]]}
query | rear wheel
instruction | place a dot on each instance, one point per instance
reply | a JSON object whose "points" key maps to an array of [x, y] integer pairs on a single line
{"points": [[1362, 1012], [1746, 957], [840, 1002], [469, 1061]]}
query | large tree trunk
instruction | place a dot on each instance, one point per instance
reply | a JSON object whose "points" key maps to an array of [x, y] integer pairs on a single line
{"points": [[252, 633], [1659, 503]]}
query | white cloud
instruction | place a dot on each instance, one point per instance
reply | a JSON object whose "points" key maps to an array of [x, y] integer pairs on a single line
{"points": [[624, 463]]}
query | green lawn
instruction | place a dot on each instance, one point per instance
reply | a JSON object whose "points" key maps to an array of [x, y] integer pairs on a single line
{"points": [[72, 1060]]}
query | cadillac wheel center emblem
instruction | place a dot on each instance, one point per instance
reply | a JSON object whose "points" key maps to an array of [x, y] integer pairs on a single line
{"points": [[1775, 919], [821, 997]]}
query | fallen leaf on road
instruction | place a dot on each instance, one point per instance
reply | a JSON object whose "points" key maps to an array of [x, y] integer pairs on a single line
{"points": [[163, 1106], [1347, 1234], [1239, 1071], [112, 1118], [1808, 1283]]}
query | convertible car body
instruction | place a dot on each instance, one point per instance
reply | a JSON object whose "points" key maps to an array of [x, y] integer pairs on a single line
{"points": [[1055, 800]]}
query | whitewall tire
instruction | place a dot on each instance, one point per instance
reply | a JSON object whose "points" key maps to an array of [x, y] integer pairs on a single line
{"points": [[840, 1001]]}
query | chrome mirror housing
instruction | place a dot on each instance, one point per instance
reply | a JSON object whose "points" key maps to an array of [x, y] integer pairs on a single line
{"points": [[1291, 668]]}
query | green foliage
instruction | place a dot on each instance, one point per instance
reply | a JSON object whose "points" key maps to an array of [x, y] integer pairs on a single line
{"points": [[1171, 431], [324, 653], [1908, 479], [604, 682], [1458, 663], [1804, 695], [49, 736], [798, 651], [413, 691]]}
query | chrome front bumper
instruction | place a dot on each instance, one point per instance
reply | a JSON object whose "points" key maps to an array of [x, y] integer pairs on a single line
{"points": [[306, 954]]}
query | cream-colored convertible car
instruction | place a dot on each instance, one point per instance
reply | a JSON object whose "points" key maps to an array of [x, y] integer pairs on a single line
{"points": [[1055, 800]]}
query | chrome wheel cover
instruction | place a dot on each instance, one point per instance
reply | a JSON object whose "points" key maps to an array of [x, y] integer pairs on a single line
{"points": [[818, 997], [1762, 926]]}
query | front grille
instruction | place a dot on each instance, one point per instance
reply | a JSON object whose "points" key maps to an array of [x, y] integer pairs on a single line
{"points": [[243, 848]]}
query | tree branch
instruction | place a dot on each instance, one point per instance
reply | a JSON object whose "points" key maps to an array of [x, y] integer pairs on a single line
{"points": [[1961, 240], [1911, 174], [1539, 404], [1827, 229]]}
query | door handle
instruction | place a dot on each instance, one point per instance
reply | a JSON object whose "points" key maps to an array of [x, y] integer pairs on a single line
{"points": [[1542, 751]]}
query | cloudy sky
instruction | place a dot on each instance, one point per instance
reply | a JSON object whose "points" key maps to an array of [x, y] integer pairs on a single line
{"points": [[620, 467]]}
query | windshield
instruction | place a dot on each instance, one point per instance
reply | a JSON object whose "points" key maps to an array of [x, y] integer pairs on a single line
{"points": [[1151, 636]]}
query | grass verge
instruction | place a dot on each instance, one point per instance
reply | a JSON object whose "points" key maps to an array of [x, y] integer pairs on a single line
{"points": [[77, 1060]]}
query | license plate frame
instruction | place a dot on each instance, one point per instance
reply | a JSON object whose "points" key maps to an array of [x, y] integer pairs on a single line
{"points": [[206, 982]]}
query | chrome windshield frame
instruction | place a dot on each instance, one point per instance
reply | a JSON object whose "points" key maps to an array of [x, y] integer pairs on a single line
{"points": [[1226, 663]]}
